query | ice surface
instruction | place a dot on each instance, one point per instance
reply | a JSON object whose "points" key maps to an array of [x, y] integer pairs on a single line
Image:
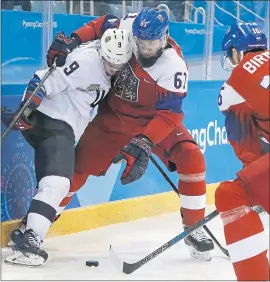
{"points": [[131, 241]]}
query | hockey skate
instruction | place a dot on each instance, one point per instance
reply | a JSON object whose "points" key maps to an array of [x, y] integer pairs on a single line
{"points": [[21, 230], [26, 251], [200, 246], [15, 233]]}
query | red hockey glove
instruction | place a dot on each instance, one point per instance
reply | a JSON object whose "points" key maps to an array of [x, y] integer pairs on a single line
{"points": [[137, 154], [61, 47]]}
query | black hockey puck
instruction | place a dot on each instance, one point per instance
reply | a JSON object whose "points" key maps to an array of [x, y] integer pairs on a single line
{"points": [[92, 263]]}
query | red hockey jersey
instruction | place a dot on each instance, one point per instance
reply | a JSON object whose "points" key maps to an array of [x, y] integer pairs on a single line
{"points": [[244, 100], [143, 100]]}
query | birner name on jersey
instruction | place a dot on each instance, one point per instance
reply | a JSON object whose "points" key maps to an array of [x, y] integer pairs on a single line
{"points": [[256, 62]]}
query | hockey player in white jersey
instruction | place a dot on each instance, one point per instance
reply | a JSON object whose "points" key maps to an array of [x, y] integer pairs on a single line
{"points": [[59, 113]]}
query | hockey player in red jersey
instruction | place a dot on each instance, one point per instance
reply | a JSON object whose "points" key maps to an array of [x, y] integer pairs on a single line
{"points": [[244, 100], [143, 114]]}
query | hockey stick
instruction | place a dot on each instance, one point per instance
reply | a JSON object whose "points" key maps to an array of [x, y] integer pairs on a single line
{"points": [[131, 267], [225, 251], [26, 104], [164, 174]]}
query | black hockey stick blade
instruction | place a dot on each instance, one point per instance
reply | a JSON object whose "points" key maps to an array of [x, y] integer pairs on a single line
{"points": [[131, 267], [123, 266]]}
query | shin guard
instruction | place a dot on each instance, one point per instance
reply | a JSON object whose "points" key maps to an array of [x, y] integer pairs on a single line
{"points": [[190, 166], [244, 232]]}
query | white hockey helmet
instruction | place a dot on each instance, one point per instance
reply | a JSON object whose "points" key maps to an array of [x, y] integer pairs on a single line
{"points": [[116, 46]]}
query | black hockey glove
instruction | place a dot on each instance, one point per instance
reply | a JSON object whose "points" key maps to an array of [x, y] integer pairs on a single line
{"points": [[61, 47], [26, 120], [136, 154]]}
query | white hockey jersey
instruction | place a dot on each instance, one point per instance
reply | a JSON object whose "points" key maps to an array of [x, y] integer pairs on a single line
{"points": [[170, 70], [72, 91]]}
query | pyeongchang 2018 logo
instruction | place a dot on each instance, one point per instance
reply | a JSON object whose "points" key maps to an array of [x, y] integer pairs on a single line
{"points": [[212, 135], [195, 31], [37, 24]]}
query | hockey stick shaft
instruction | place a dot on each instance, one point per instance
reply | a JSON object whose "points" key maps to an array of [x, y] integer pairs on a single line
{"points": [[225, 251], [164, 174], [26, 104], [176, 191], [131, 267]]}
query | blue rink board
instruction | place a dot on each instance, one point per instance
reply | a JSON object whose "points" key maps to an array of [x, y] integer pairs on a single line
{"points": [[202, 118]]}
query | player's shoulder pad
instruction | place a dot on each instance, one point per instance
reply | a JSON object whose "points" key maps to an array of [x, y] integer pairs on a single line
{"points": [[228, 97], [170, 71]]}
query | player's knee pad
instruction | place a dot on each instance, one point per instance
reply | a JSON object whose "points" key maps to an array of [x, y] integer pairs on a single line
{"points": [[188, 158], [255, 179], [52, 190], [232, 201], [190, 166], [230, 195], [78, 181]]}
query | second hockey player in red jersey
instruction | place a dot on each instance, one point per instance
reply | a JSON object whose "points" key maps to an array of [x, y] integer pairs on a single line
{"points": [[244, 100]]}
